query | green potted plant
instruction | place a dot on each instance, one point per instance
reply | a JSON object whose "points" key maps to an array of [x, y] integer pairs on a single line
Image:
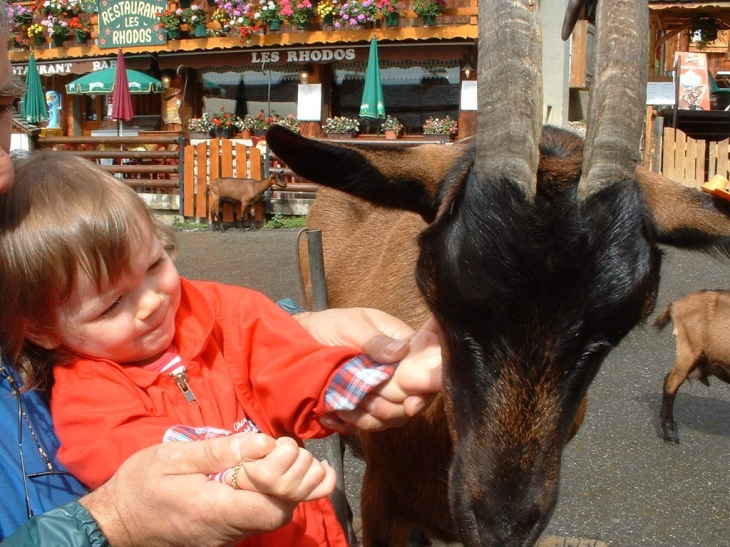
{"points": [[392, 127], [170, 21], [194, 17], [290, 122], [262, 122], [326, 10], [354, 14], [298, 12], [57, 29], [270, 14], [392, 11], [445, 128], [341, 127], [248, 124], [20, 15], [35, 33], [428, 10], [81, 27], [200, 128], [225, 124]]}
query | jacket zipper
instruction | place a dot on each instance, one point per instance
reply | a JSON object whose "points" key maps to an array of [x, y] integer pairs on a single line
{"points": [[181, 379]]}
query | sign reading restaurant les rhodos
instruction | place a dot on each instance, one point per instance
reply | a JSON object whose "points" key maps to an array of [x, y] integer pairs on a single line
{"points": [[130, 23]]}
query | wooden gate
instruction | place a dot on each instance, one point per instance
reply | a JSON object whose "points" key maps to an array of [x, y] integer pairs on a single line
{"points": [[207, 160]]}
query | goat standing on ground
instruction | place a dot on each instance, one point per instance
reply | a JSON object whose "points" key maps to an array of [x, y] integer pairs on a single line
{"points": [[245, 192], [701, 323], [536, 255]]}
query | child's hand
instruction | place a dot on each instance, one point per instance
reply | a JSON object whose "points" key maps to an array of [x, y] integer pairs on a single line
{"points": [[283, 469], [414, 385]]}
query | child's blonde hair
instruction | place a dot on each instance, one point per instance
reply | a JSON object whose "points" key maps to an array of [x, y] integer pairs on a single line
{"points": [[63, 218]]}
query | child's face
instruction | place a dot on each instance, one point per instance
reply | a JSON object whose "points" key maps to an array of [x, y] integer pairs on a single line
{"points": [[131, 321]]}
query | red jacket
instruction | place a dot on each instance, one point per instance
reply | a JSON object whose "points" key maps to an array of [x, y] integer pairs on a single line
{"points": [[245, 358]]}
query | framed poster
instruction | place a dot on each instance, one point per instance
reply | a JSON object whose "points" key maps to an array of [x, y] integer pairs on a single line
{"points": [[468, 95], [309, 103]]}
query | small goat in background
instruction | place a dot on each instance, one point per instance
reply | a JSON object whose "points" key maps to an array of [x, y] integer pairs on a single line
{"points": [[245, 192], [701, 321]]}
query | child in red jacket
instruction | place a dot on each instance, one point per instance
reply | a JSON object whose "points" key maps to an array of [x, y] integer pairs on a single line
{"points": [[139, 354]]}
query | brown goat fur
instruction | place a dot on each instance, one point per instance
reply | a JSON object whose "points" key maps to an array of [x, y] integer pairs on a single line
{"points": [[701, 321], [244, 192]]}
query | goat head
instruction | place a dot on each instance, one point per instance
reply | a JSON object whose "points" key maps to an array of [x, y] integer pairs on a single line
{"points": [[535, 253]]}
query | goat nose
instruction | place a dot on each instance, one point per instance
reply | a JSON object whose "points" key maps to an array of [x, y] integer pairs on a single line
{"points": [[149, 303]]}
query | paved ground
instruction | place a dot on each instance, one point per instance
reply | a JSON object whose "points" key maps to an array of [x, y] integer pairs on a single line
{"points": [[621, 484]]}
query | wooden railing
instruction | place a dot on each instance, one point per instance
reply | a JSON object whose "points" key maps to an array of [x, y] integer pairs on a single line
{"points": [[152, 165], [143, 162]]}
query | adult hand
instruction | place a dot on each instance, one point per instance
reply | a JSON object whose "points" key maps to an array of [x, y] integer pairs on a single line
{"points": [[162, 496], [377, 334], [384, 339]]}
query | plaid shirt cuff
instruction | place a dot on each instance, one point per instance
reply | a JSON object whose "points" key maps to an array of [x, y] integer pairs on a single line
{"points": [[355, 381]]}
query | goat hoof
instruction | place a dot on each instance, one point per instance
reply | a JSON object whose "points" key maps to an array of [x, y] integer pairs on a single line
{"points": [[671, 435]]}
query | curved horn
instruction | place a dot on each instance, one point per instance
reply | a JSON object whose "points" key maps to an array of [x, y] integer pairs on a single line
{"points": [[618, 94], [509, 90], [572, 12]]}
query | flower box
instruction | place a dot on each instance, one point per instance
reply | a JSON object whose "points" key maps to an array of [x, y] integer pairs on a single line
{"points": [[340, 135]]}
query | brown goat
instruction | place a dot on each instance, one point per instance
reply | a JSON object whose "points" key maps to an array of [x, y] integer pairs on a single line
{"points": [[535, 254], [701, 321], [244, 192]]}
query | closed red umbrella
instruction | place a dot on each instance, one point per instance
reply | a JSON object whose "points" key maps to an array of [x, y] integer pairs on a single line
{"points": [[122, 109]]}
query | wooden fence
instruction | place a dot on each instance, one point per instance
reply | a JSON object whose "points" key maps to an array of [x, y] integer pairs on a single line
{"points": [[680, 158]]}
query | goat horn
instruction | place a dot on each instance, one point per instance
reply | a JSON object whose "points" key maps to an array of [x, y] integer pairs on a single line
{"points": [[509, 90], [572, 12], [618, 94]]}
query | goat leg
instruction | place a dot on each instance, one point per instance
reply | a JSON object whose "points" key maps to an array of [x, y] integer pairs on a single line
{"points": [[672, 382]]}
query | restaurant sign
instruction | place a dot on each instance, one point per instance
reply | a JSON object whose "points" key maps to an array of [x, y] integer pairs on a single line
{"points": [[125, 23], [66, 67]]}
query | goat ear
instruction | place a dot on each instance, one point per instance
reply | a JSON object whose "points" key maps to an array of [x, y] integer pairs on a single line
{"points": [[685, 217], [394, 177]]}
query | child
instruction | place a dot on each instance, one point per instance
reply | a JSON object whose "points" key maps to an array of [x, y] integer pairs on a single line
{"points": [[136, 350]]}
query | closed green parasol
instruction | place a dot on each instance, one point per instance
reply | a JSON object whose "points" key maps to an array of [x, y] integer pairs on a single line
{"points": [[372, 105], [101, 82], [34, 108]]}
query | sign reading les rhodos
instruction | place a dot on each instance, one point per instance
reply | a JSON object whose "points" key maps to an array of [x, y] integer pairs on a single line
{"points": [[130, 23]]}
